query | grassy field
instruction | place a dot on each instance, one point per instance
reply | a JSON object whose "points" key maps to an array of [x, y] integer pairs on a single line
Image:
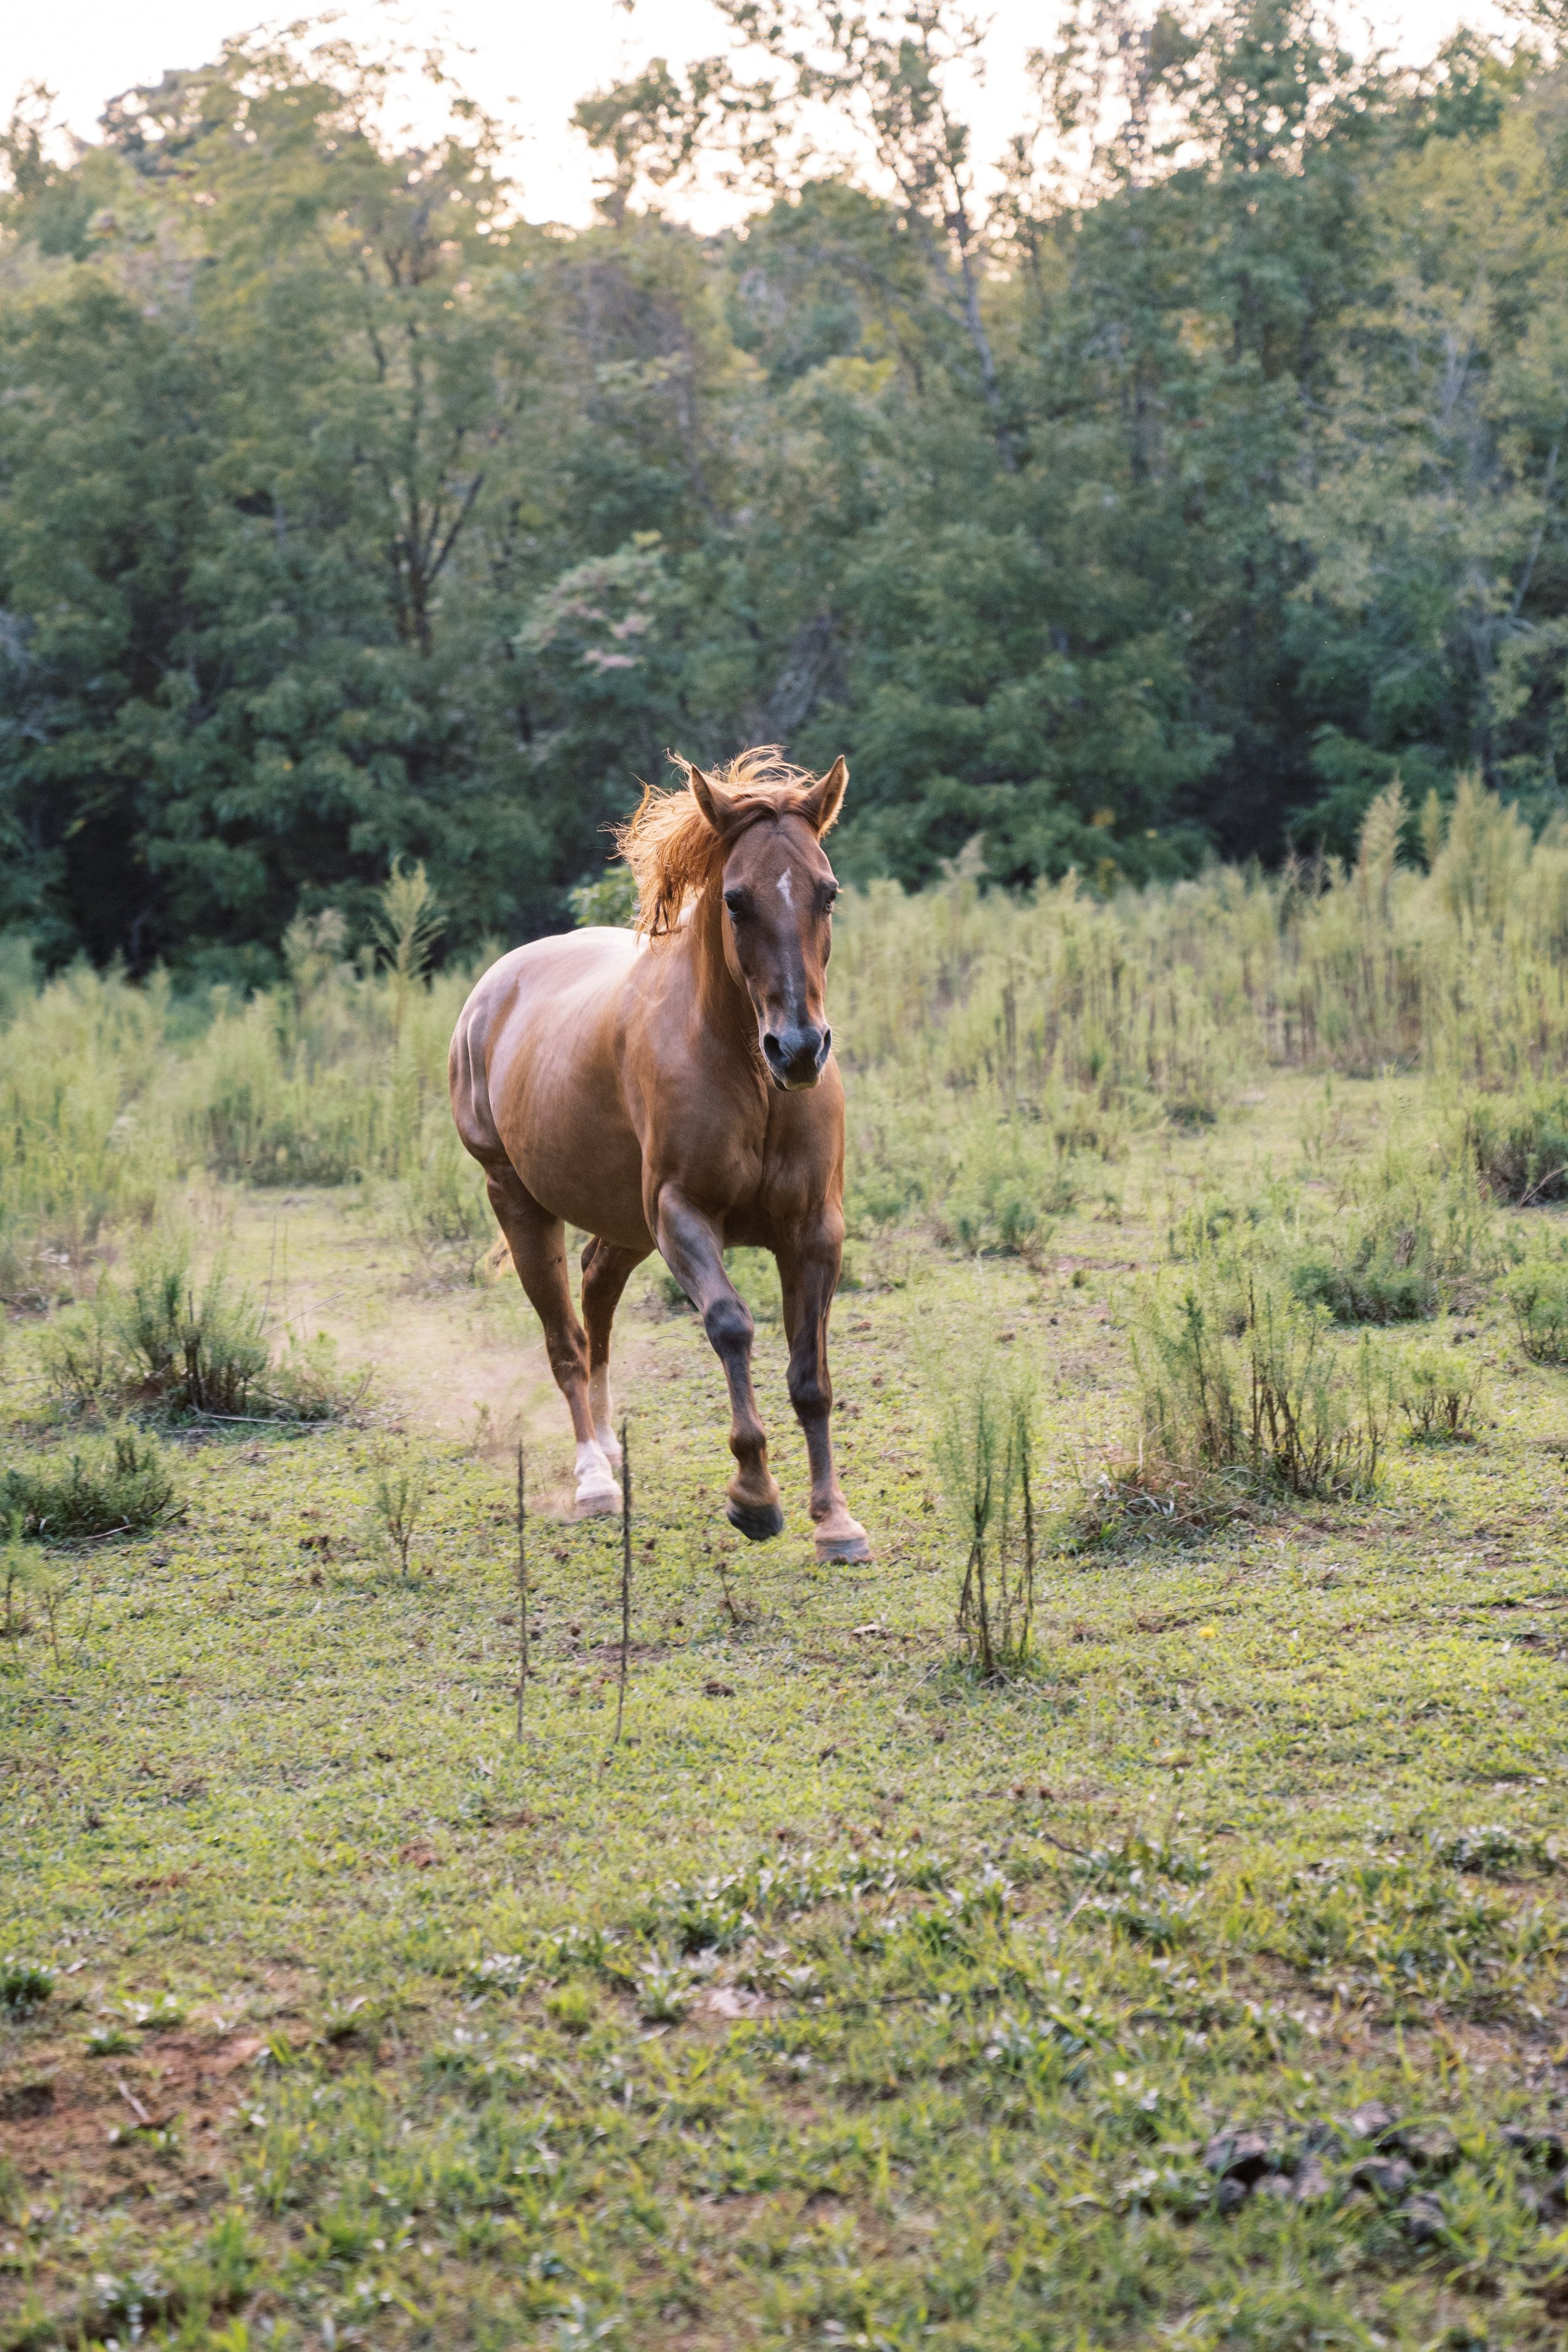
{"points": [[1197, 1983]]}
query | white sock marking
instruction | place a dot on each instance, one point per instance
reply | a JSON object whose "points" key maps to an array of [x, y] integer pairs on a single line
{"points": [[595, 1480]]}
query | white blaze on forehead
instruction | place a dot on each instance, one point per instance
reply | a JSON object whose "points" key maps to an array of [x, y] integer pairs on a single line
{"points": [[783, 887]]}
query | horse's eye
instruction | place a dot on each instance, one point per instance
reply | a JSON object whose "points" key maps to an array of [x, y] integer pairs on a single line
{"points": [[736, 902]]}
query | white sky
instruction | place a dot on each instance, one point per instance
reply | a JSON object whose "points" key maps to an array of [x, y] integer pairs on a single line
{"points": [[529, 61]]}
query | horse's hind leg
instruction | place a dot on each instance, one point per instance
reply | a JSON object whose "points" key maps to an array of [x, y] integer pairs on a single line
{"points": [[607, 1268], [538, 1244]]}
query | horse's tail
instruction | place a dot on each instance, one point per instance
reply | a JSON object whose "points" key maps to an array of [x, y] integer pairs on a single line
{"points": [[467, 1075]]}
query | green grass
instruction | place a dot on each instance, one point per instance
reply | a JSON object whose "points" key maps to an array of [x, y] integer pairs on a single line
{"points": [[849, 2000]]}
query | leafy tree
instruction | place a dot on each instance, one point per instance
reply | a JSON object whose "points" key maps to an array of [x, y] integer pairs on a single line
{"points": [[1176, 489]]}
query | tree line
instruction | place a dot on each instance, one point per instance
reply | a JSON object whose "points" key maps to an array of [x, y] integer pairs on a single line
{"points": [[1164, 494]]}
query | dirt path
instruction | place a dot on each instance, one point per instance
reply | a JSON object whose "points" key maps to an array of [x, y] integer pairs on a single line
{"points": [[465, 1363]]}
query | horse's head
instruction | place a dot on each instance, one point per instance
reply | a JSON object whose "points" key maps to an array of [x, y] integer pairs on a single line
{"points": [[778, 890]]}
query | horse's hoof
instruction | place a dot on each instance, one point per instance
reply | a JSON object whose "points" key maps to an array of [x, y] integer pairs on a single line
{"points": [[756, 1521], [848, 1546], [595, 1502]]}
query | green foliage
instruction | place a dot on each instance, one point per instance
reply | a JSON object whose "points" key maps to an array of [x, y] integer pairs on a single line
{"points": [[1537, 1292], [23, 1987], [19, 1577], [122, 1482], [407, 924], [399, 1498], [445, 1205], [1402, 1241], [1520, 1145], [189, 1352], [986, 1455], [571, 2006], [74, 1153], [1437, 1390], [352, 520], [1242, 1388], [611, 897], [163, 1342]]}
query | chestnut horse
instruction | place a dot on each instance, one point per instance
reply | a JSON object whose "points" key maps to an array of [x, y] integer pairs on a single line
{"points": [[674, 1088]]}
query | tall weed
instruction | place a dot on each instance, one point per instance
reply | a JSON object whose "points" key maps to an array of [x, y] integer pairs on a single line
{"points": [[78, 1150], [988, 1042], [1437, 1390], [121, 1483], [1537, 1292], [986, 1453], [1406, 1238], [1518, 1144], [168, 1342], [1241, 1390]]}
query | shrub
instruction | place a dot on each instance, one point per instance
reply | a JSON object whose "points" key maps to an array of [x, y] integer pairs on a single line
{"points": [[1519, 1145], [1011, 1183], [19, 1577], [1366, 1292], [1538, 1294], [610, 898], [186, 1351], [1435, 1390], [986, 1457], [1243, 1389], [23, 1987], [166, 1343], [123, 1483], [1396, 1254]]}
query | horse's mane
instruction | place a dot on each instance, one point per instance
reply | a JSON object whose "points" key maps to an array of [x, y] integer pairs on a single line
{"points": [[673, 851]]}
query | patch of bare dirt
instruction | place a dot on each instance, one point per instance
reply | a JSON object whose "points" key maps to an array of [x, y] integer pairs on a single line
{"points": [[124, 2119]]}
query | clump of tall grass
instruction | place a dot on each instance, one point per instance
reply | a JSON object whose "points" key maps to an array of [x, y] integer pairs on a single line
{"points": [[166, 1342], [1009, 1183], [1407, 1237], [986, 1453], [989, 1041], [1242, 1394], [1402, 1240], [1518, 1144], [78, 1150], [1537, 1292], [121, 1484], [1166, 1000], [1437, 1390]]}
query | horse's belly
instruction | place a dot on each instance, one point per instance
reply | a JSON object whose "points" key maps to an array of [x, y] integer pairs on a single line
{"points": [[580, 1158]]}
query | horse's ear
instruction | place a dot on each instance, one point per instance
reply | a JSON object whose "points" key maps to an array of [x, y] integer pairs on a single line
{"points": [[713, 805], [821, 806]]}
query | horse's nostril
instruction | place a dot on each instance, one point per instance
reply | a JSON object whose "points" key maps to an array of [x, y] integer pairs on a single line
{"points": [[770, 1046], [826, 1045]]}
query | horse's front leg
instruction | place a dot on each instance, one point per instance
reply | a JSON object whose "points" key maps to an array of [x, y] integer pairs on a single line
{"points": [[808, 1270], [692, 1249]]}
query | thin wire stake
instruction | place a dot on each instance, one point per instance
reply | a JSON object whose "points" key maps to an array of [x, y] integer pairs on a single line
{"points": [[625, 1574], [522, 1594]]}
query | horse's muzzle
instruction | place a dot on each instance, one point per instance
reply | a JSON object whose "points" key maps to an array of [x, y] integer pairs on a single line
{"points": [[796, 1057]]}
